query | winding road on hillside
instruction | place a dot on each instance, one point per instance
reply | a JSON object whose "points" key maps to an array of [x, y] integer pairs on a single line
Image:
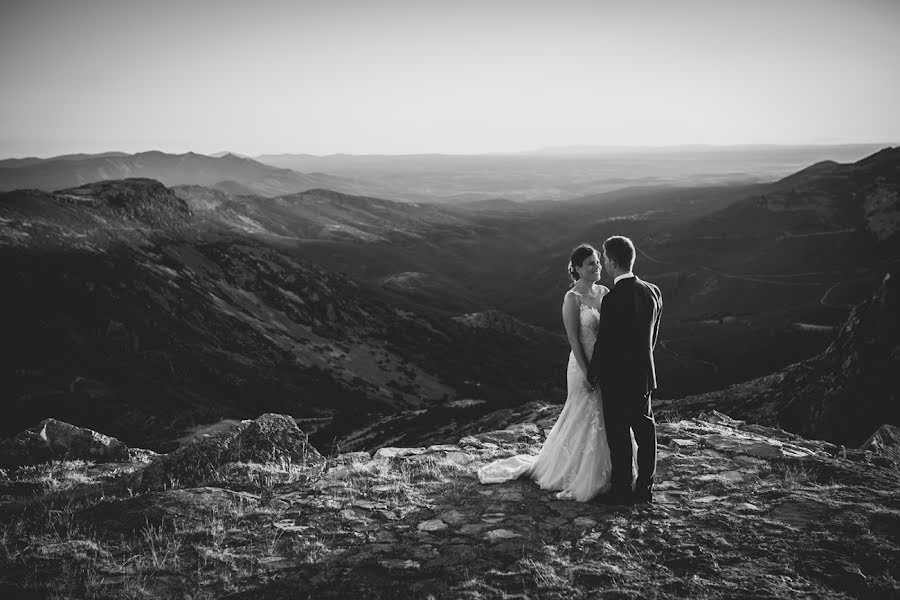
{"points": [[687, 359], [767, 279], [753, 278]]}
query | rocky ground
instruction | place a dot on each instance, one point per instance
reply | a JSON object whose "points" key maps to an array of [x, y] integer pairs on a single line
{"points": [[740, 511]]}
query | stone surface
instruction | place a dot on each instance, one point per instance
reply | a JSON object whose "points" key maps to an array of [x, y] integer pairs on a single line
{"points": [[57, 440], [885, 442], [384, 453], [818, 526], [763, 449], [501, 534], [269, 439], [432, 525]]}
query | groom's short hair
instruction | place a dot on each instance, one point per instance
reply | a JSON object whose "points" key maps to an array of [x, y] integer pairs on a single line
{"points": [[620, 250]]}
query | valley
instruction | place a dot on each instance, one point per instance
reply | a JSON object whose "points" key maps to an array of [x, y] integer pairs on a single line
{"points": [[147, 311]]}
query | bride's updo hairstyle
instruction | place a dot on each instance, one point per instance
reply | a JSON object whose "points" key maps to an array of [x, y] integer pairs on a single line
{"points": [[579, 255]]}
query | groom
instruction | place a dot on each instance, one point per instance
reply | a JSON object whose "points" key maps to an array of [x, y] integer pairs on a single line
{"points": [[622, 367]]}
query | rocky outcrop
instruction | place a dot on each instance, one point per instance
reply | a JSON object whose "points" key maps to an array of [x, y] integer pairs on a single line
{"points": [[740, 511], [843, 395], [270, 439], [57, 440], [885, 443], [136, 199]]}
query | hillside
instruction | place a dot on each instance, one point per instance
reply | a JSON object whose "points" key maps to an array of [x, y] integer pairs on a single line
{"points": [[842, 394], [136, 314], [320, 214], [752, 276], [740, 511], [300, 299]]}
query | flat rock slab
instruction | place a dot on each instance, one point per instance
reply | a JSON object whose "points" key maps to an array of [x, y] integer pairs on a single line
{"points": [[397, 564], [511, 497], [390, 452], [729, 443], [801, 513], [726, 476], [459, 457], [666, 498], [453, 517], [705, 499], [351, 457], [432, 525], [290, 526], [501, 534], [682, 444], [443, 448]]}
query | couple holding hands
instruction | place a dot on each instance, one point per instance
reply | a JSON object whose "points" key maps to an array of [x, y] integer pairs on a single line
{"points": [[603, 446]]}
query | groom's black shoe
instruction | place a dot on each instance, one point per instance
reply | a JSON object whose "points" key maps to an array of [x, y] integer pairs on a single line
{"points": [[642, 496], [615, 499]]}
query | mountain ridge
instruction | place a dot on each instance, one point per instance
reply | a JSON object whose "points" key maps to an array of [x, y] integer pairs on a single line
{"points": [[138, 313], [170, 169], [842, 394], [251, 280]]}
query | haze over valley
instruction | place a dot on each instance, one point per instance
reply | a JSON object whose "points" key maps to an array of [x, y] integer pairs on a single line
{"points": [[146, 308]]}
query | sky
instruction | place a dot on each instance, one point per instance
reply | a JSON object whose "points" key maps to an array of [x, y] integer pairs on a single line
{"points": [[446, 76]]}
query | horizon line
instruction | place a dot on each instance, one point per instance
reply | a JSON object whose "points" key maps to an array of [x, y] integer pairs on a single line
{"points": [[558, 150]]}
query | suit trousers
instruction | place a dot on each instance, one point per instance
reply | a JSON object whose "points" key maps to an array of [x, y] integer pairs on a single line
{"points": [[625, 412]]}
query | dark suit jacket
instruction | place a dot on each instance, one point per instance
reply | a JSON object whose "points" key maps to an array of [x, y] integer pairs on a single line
{"points": [[622, 361]]}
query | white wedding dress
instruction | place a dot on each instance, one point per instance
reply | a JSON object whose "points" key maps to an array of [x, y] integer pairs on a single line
{"points": [[575, 456]]}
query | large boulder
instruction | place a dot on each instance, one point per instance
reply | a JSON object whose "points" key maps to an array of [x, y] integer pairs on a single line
{"points": [[271, 438], [58, 440], [885, 442]]}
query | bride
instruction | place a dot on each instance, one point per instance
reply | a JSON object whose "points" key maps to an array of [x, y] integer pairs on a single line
{"points": [[575, 457]]}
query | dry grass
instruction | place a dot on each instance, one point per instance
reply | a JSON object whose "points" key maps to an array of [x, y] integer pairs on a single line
{"points": [[52, 549], [796, 474], [398, 481]]}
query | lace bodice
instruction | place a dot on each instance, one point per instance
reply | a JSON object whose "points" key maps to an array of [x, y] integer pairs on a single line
{"points": [[589, 317]]}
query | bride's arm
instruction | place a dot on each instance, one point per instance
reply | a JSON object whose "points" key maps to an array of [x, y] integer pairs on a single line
{"points": [[572, 322]]}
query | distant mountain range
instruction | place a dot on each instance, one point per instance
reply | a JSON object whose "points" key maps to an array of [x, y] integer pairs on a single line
{"points": [[548, 175], [232, 173], [565, 173]]}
